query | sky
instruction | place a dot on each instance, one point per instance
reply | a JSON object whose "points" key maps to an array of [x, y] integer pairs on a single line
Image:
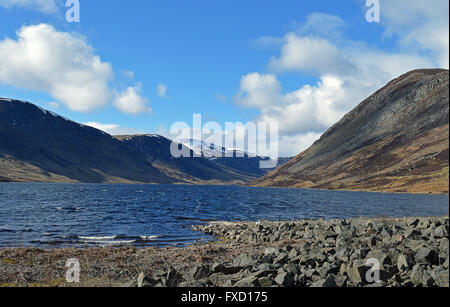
{"points": [[137, 66]]}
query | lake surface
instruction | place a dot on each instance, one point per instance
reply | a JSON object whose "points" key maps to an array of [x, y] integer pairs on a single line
{"points": [[58, 215]]}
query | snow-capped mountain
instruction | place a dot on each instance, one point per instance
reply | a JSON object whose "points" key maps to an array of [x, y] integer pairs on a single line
{"points": [[211, 150]]}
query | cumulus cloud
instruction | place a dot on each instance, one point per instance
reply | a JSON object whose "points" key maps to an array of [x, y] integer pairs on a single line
{"points": [[59, 63], [114, 129], [309, 54], [259, 91], [162, 90], [45, 6], [131, 101], [66, 67], [347, 71], [419, 24]]}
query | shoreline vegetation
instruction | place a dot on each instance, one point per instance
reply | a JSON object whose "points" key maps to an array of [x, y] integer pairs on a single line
{"points": [[308, 253]]}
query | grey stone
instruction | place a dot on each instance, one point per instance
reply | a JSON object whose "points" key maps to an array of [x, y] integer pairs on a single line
{"points": [[145, 282], [285, 279], [328, 282], [243, 261], [265, 282], [419, 277], [173, 278], [381, 256], [441, 232], [199, 272], [251, 281], [426, 256], [404, 262]]}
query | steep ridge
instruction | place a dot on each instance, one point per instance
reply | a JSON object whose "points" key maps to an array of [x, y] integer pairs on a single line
{"points": [[156, 150], [395, 141], [38, 145]]}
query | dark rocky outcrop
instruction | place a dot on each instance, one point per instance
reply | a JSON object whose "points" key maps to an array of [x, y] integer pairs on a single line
{"points": [[37, 145]]}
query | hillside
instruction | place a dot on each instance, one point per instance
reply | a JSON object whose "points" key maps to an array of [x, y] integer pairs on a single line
{"points": [[37, 145], [395, 141], [156, 150]]}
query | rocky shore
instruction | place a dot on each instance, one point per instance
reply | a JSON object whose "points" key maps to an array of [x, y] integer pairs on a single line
{"points": [[409, 252]]}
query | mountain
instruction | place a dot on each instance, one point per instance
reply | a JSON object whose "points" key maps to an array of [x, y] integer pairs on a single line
{"points": [[229, 157], [395, 141], [156, 150], [38, 145]]}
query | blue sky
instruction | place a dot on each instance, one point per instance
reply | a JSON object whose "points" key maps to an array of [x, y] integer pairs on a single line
{"points": [[303, 64]]}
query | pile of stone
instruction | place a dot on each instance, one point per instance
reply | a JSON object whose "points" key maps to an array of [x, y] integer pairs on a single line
{"points": [[338, 253]]}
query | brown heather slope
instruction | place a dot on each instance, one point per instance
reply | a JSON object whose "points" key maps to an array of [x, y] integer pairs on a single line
{"points": [[395, 141]]}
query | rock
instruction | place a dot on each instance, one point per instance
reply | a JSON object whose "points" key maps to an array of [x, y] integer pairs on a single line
{"points": [[293, 253], [217, 267], [341, 281], [312, 272], [372, 241], [145, 282], [173, 278], [426, 256], [243, 261], [441, 232], [271, 251], [281, 259], [291, 268], [328, 282], [442, 279], [248, 282], [382, 257], [199, 272], [130, 284], [416, 275], [413, 222], [421, 277], [404, 262], [343, 254], [265, 282], [357, 274], [327, 269], [285, 279]]}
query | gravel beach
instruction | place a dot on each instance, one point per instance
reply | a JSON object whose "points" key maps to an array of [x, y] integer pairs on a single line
{"points": [[388, 252]]}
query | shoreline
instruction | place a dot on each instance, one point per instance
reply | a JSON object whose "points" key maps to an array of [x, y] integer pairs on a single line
{"points": [[246, 185], [306, 253]]}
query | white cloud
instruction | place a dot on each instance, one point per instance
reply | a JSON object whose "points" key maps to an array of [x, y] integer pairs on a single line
{"points": [[162, 90], [114, 129], [348, 72], [59, 63], [420, 24], [66, 67], [131, 101], [46, 6], [310, 54], [259, 91]]}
